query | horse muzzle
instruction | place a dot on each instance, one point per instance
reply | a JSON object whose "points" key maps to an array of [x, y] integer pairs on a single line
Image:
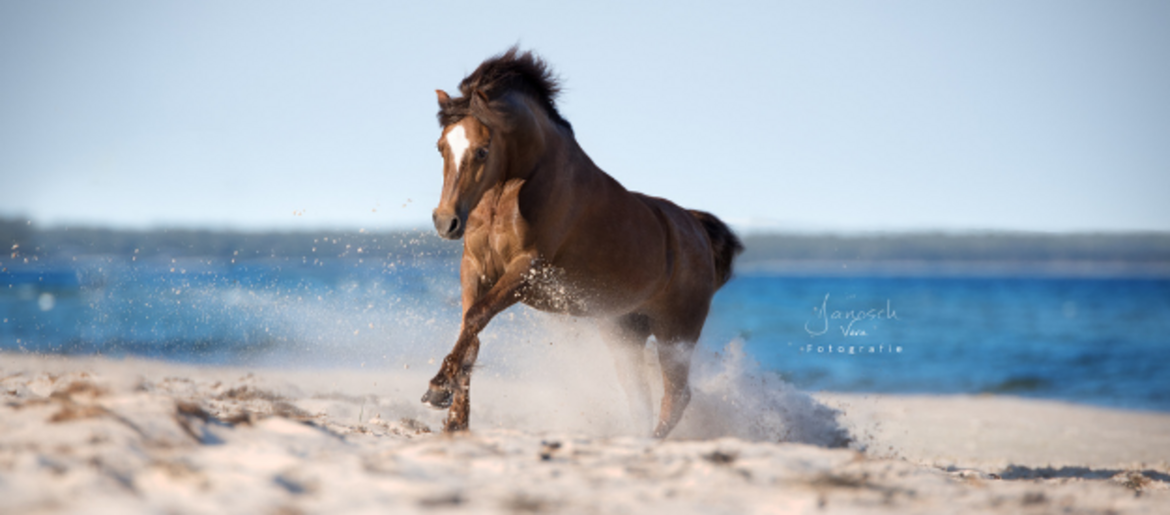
{"points": [[450, 226]]}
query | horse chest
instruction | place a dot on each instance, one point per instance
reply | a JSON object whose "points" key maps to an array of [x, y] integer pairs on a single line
{"points": [[502, 233], [492, 252]]}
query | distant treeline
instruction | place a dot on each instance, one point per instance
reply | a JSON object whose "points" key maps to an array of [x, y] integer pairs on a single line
{"points": [[972, 247], [29, 241]]}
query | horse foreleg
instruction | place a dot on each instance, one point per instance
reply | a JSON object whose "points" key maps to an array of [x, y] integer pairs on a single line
{"points": [[451, 386], [675, 359], [459, 416]]}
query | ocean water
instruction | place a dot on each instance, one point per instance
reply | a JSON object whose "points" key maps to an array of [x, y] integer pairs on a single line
{"points": [[1098, 341]]}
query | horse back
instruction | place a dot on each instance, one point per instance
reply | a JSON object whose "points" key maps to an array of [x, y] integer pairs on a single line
{"points": [[689, 243]]}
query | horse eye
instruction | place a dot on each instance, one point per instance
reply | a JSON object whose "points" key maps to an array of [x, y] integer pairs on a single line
{"points": [[481, 154]]}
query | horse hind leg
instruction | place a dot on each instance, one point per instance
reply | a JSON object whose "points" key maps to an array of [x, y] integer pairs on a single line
{"points": [[626, 337], [675, 360]]}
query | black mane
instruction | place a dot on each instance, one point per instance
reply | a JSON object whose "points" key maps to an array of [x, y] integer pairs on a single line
{"points": [[511, 71]]}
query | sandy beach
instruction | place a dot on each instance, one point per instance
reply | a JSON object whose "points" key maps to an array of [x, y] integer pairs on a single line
{"points": [[91, 435]]}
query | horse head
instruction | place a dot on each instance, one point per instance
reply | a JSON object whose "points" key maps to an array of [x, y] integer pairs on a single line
{"points": [[470, 168], [496, 131]]}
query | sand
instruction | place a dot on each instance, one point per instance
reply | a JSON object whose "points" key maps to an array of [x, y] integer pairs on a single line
{"points": [[90, 435]]}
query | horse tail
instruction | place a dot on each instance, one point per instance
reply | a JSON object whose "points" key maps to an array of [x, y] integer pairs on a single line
{"points": [[725, 245]]}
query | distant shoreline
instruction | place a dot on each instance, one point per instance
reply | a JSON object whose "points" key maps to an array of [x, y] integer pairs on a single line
{"points": [[960, 269], [1137, 254]]}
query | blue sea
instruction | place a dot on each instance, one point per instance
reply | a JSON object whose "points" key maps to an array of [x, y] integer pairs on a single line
{"points": [[1089, 340]]}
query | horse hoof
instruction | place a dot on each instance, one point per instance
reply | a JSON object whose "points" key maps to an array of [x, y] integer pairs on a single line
{"points": [[438, 399], [661, 431]]}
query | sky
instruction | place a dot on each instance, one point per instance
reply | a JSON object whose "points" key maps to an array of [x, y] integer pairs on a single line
{"points": [[1048, 116]]}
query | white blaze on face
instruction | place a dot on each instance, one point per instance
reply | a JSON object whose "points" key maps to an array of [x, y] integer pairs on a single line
{"points": [[458, 143]]}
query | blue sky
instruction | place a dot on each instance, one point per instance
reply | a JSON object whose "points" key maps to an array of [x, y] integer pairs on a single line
{"points": [[841, 116]]}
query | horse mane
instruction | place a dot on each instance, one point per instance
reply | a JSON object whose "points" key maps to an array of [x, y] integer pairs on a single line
{"points": [[497, 76]]}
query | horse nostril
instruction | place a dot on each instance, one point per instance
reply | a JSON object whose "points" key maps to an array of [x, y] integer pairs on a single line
{"points": [[448, 226]]}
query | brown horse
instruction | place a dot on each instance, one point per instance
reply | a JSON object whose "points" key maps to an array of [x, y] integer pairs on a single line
{"points": [[544, 226]]}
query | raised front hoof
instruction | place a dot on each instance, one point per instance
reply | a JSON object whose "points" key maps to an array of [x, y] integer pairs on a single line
{"points": [[438, 399]]}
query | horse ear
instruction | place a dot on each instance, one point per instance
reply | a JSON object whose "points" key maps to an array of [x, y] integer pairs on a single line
{"points": [[443, 97]]}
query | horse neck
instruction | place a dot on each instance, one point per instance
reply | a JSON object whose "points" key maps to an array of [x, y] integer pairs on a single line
{"points": [[562, 158], [558, 176]]}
